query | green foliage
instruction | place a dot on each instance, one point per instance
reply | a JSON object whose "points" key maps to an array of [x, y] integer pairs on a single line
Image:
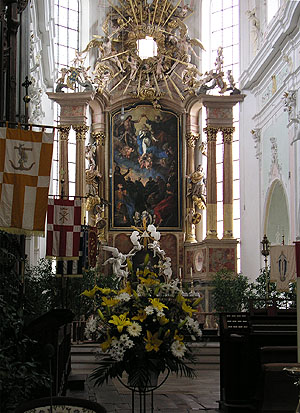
{"points": [[81, 305], [231, 291], [259, 290], [41, 290], [20, 374]]}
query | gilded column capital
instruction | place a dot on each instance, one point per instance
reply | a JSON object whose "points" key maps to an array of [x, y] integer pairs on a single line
{"points": [[211, 132], [80, 130], [64, 131], [191, 139], [227, 133], [99, 138]]}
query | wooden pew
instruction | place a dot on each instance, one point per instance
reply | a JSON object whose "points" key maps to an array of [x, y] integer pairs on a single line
{"points": [[242, 336]]}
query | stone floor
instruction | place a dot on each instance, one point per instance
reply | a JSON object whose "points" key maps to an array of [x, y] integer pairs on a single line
{"points": [[177, 394]]}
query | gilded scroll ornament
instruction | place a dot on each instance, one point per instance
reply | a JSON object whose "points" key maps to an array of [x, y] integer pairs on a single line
{"points": [[211, 133], [191, 139], [98, 138], [81, 131], [64, 132], [227, 134]]}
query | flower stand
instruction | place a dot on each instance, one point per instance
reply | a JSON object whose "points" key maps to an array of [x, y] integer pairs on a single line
{"points": [[142, 390]]}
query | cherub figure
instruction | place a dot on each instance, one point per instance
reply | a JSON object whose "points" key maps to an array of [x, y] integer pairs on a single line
{"points": [[118, 261]]}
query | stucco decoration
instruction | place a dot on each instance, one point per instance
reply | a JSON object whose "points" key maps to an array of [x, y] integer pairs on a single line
{"points": [[275, 168], [36, 87], [256, 134], [290, 102], [255, 32]]}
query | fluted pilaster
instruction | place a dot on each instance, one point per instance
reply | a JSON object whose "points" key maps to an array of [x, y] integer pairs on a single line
{"points": [[227, 133], [63, 160], [211, 183], [80, 159]]}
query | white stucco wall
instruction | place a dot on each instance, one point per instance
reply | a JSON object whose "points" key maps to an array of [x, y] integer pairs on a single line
{"points": [[267, 154]]}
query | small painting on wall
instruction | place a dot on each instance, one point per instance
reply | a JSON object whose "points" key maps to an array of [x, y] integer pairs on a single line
{"points": [[145, 168]]}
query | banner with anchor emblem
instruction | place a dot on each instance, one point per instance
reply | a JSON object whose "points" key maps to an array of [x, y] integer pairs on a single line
{"points": [[283, 266], [25, 166], [63, 229]]}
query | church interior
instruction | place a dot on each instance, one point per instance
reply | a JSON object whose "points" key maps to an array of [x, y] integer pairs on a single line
{"points": [[149, 205]]}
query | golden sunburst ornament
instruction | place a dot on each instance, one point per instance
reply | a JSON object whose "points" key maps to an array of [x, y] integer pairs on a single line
{"points": [[146, 52], [126, 69]]}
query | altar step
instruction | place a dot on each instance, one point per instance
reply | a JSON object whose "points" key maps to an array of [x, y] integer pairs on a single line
{"points": [[83, 360]]}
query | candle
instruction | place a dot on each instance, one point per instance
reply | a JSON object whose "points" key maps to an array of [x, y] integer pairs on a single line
{"points": [[180, 273], [191, 272]]}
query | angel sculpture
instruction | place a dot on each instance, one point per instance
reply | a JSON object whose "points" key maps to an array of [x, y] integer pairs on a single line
{"points": [[118, 261], [135, 239], [155, 247]]}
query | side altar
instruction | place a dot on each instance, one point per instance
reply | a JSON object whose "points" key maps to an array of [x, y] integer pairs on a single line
{"points": [[141, 155]]}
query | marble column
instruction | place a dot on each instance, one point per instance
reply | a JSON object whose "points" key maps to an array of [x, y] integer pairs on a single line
{"points": [[211, 183], [191, 139], [227, 183], [80, 187], [63, 160]]}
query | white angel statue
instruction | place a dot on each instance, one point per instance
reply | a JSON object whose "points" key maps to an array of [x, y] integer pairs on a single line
{"points": [[118, 261]]}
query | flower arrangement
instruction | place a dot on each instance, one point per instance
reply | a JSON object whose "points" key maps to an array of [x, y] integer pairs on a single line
{"points": [[146, 325]]}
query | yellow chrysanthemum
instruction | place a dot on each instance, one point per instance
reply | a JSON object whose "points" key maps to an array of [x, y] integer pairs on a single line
{"points": [[157, 304], [153, 342], [120, 322]]}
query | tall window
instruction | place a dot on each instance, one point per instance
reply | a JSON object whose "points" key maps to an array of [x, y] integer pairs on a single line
{"points": [[66, 43], [222, 29]]}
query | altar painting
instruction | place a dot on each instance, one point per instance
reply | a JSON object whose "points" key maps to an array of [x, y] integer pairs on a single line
{"points": [[145, 164]]}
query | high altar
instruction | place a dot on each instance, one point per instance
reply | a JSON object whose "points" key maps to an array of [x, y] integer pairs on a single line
{"points": [[139, 142]]}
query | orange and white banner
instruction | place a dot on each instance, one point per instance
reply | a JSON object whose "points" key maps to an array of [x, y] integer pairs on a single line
{"points": [[25, 166]]}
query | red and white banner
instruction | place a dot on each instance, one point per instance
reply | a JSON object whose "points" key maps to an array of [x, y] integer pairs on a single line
{"points": [[25, 166], [63, 228]]}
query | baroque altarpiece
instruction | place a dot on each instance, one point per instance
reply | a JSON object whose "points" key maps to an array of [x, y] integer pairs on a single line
{"points": [[137, 120]]}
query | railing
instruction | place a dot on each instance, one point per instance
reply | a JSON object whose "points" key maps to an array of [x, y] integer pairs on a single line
{"points": [[208, 320], [77, 333]]}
